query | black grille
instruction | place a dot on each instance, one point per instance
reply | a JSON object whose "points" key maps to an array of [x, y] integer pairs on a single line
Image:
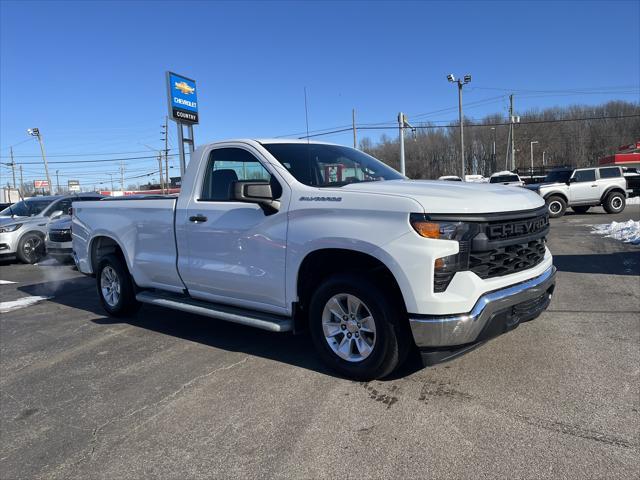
{"points": [[60, 235], [513, 229], [507, 259]]}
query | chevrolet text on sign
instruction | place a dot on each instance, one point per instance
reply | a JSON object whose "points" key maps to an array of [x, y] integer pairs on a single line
{"points": [[183, 100]]}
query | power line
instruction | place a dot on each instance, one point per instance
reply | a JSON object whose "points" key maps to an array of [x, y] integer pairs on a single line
{"points": [[97, 161], [426, 127]]}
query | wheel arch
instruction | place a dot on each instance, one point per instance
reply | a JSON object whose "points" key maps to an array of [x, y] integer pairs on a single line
{"points": [[556, 194], [102, 245], [319, 264], [610, 190]]}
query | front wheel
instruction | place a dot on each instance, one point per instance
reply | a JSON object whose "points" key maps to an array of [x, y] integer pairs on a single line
{"points": [[31, 248], [614, 203], [356, 328], [556, 206], [115, 287]]}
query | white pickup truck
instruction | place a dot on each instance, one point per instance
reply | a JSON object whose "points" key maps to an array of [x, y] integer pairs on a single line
{"points": [[291, 236]]}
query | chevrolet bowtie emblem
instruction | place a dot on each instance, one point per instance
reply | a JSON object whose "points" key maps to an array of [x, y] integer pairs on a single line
{"points": [[184, 88]]}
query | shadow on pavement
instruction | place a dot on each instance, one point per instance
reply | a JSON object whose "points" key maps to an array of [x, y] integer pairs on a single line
{"points": [[296, 350], [617, 263]]}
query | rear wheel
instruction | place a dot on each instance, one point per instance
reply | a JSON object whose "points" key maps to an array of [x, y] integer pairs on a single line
{"points": [[581, 208], [115, 287], [30, 248], [356, 328], [556, 206], [614, 203]]}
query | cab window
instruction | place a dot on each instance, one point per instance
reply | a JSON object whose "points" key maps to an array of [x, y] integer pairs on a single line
{"points": [[584, 176], [227, 166], [610, 172]]}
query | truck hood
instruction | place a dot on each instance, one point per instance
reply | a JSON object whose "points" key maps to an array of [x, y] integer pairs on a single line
{"points": [[455, 197], [6, 220]]}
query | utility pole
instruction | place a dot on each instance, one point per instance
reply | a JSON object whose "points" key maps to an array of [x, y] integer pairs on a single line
{"points": [[461, 82], [35, 132], [353, 123], [21, 184], [58, 181], [122, 177], [13, 167], [160, 170], [111, 175]]}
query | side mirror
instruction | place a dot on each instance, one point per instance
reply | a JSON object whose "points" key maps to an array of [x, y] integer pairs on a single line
{"points": [[256, 192], [56, 214]]}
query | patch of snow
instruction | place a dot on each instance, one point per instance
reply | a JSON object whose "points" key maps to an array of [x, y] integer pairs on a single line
{"points": [[20, 303], [628, 232], [6, 282], [633, 201]]}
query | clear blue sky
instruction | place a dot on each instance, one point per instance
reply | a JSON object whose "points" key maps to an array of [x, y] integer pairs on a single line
{"points": [[90, 75]]}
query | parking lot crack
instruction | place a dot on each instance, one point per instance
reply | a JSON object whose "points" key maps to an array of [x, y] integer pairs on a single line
{"points": [[164, 400], [575, 431]]}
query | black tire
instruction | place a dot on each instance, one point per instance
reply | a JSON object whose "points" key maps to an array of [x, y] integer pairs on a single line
{"points": [[126, 302], [614, 203], [581, 208], [31, 248], [556, 206], [392, 340]]}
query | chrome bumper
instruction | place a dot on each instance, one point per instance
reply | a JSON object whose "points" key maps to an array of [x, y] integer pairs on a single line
{"points": [[508, 306]]}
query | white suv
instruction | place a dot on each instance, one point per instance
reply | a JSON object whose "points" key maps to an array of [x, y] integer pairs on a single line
{"points": [[582, 189]]}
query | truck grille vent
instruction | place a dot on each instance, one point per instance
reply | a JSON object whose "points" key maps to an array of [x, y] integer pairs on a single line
{"points": [[506, 260], [60, 235]]}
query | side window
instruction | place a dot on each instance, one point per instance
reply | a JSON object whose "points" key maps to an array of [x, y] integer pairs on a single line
{"points": [[585, 176], [610, 172], [227, 166], [63, 205]]}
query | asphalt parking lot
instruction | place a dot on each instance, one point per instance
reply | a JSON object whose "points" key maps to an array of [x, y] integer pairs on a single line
{"points": [[171, 395]]}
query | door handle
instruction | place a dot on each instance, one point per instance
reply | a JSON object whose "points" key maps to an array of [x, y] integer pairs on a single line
{"points": [[198, 218], [594, 185]]}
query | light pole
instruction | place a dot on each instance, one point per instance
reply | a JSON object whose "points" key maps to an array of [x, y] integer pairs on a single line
{"points": [[460, 81], [535, 141], [35, 132], [493, 150]]}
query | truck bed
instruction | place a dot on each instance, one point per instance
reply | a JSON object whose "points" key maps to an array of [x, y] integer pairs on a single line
{"points": [[144, 229]]}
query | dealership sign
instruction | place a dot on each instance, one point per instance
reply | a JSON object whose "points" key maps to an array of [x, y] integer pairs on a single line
{"points": [[40, 184], [74, 185], [183, 99]]}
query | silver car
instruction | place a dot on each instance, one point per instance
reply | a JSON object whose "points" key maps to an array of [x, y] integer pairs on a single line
{"points": [[23, 225], [58, 240]]}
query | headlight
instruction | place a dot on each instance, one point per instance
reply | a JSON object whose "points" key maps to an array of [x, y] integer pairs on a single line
{"points": [[441, 230], [10, 228]]}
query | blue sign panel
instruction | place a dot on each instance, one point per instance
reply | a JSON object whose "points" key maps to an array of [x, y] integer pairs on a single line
{"points": [[183, 99]]}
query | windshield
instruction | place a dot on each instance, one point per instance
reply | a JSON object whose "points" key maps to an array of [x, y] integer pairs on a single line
{"points": [[560, 176], [26, 208], [504, 179], [320, 165]]}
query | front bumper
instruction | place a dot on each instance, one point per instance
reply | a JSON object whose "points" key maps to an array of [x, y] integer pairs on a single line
{"points": [[59, 249], [9, 242], [494, 313]]}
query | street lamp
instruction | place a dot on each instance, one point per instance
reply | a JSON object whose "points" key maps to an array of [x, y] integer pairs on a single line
{"points": [[535, 141], [460, 81], [35, 132], [493, 151]]}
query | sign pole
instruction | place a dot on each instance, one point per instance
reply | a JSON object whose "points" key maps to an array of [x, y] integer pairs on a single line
{"points": [[183, 109]]}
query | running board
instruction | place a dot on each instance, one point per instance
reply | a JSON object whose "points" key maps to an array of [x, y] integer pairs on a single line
{"points": [[264, 321]]}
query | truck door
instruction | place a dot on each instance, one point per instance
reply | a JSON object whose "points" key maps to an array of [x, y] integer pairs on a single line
{"points": [[233, 252], [584, 187]]}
